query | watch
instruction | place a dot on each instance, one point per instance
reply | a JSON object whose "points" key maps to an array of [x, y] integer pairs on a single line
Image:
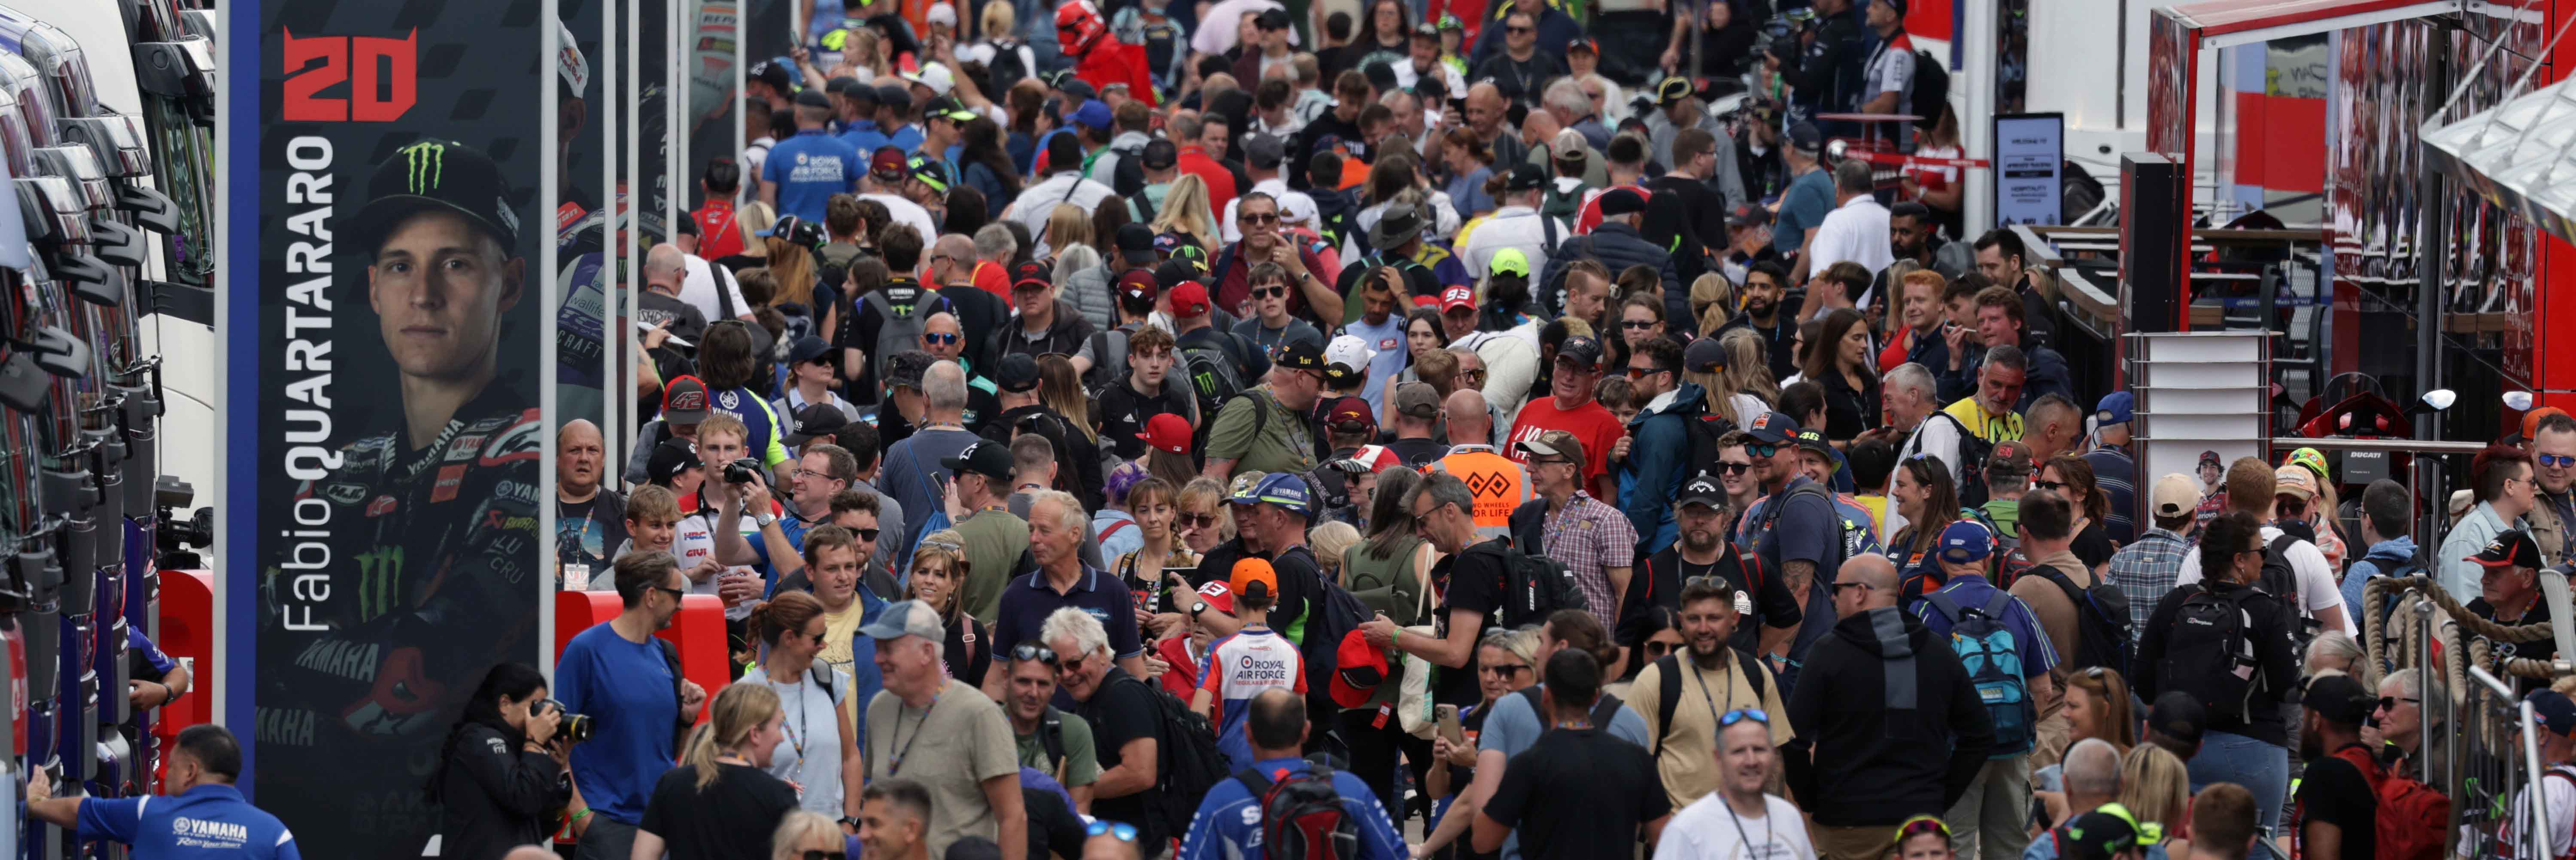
{"points": [[850, 820], [1199, 608], [764, 519]]}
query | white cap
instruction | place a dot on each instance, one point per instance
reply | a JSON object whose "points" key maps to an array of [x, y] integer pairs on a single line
{"points": [[570, 66], [943, 13], [1351, 351], [935, 76], [2175, 495]]}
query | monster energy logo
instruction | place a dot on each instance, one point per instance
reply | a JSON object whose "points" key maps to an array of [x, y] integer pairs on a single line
{"points": [[424, 164], [379, 581]]}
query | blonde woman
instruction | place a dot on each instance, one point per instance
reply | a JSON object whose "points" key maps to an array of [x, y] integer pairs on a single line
{"points": [[1201, 522], [1712, 300], [1067, 228], [792, 267], [939, 572], [721, 801], [1723, 371], [1507, 661], [753, 219], [2156, 786], [805, 834], [1184, 209], [1750, 371], [1330, 540]]}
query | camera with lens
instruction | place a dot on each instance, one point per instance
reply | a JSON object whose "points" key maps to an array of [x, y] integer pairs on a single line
{"points": [[574, 728], [743, 471]]}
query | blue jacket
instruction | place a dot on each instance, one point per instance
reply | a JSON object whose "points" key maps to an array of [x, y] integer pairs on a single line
{"points": [[1658, 462], [1228, 824], [2367, 566]]}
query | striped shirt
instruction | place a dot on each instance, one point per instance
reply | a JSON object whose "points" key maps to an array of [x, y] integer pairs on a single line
{"points": [[2145, 571]]}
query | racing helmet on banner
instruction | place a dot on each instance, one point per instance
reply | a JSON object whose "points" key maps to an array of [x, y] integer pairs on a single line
{"points": [[1078, 27]]}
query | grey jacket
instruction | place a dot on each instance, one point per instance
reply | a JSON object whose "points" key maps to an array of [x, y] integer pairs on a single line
{"points": [[1660, 132]]}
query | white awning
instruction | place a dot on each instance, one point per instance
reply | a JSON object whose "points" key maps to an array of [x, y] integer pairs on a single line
{"points": [[2519, 156]]}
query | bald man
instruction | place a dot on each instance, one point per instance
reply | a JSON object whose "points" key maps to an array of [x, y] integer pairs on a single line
{"points": [[952, 261], [946, 340], [660, 305], [1897, 729], [1472, 420], [590, 518]]}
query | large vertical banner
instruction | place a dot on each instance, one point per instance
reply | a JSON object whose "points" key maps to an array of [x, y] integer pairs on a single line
{"points": [[397, 445]]}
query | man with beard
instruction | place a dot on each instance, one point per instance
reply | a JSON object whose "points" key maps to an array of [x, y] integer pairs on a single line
{"points": [[1764, 284], [590, 520], [1766, 612], [1686, 726]]}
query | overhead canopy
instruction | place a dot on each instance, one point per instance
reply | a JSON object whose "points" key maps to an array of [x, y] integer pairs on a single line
{"points": [[2519, 155]]}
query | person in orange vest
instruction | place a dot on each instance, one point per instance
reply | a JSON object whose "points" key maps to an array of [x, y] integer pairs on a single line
{"points": [[1498, 483]]}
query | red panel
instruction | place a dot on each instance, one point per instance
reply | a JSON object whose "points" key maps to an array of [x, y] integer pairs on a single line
{"points": [[2294, 142], [2254, 133], [2553, 345], [699, 631], [1930, 19]]}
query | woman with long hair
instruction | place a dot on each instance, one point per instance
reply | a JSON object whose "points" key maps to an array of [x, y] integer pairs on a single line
{"points": [[1027, 102], [1506, 663], [1839, 358], [1390, 568], [1202, 520], [792, 267], [2072, 476], [820, 746], [986, 165], [1067, 227], [1060, 388], [2156, 786], [1940, 188], [1382, 38], [500, 775], [2098, 706], [1152, 572], [1467, 163], [1712, 299], [1422, 336], [1185, 210], [1929, 499], [1106, 218], [721, 802], [938, 577], [1729, 374], [964, 211]]}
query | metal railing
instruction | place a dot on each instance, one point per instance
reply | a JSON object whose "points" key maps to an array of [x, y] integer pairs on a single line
{"points": [[2477, 743]]}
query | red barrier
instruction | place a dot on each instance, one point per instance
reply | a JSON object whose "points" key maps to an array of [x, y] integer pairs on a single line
{"points": [[188, 637], [699, 631]]}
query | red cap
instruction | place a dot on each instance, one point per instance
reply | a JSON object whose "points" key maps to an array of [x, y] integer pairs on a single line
{"points": [[1425, 301], [1167, 431], [1189, 299], [1218, 596], [1141, 284], [1362, 668], [1377, 458], [888, 163], [1454, 298]]}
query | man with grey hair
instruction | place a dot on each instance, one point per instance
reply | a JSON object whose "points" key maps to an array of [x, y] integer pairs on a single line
{"points": [[1573, 109], [913, 471], [1912, 397], [1855, 230], [970, 764], [1126, 723], [2406, 698], [1061, 579], [995, 245], [2090, 774]]}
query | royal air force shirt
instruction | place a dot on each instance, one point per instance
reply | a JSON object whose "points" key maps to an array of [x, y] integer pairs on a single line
{"points": [[208, 821], [808, 169]]}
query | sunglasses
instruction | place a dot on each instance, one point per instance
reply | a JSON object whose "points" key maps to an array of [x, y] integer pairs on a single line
{"points": [[1735, 468], [1258, 218], [2389, 703], [675, 593], [1520, 30], [1632, 325], [1203, 521], [817, 637], [1741, 714], [2556, 461], [1025, 653], [1724, 586], [1643, 372], [1269, 292], [1658, 649], [869, 535], [1505, 670], [2051, 486], [1839, 586], [1124, 831], [817, 854], [1762, 450], [1475, 376], [943, 339]]}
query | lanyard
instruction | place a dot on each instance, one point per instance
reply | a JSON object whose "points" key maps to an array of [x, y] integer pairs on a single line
{"points": [[895, 767], [1749, 852]]}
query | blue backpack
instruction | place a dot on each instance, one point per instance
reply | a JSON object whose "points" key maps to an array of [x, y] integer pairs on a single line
{"points": [[1993, 660]]}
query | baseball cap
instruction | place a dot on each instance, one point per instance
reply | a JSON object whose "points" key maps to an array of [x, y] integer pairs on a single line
{"points": [[1017, 374], [1554, 443], [2554, 710], [671, 458], [894, 94], [1136, 243], [905, 368], [1748, 215], [1583, 351], [987, 458], [1271, 19], [2115, 408], [1804, 137], [2174, 495], [1454, 298], [1218, 596], [942, 13], [1525, 177], [1263, 151], [1140, 285], [1417, 399], [1585, 45], [434, 175], [1285, 489], [1704, 355], [1772, 428], [818, 419], [888, 164], [1250, 572], [2178, 716], [1359, 668], [1077, 88], [936, 76], [1297, 355], [1571, 154], [812, 98], [770, 72], [684, 400], [2010, 457], [1375, 458], [2104, 832], [2314, 460], [1189, 298], [2512, 549], [1966, 541], [852, 88], [2210, 458], [1426, 30], [1672, 90], [2341, 699], [1032, 272], [1348, 414], [1093, 113], [1350, 351], [805, 349], [947, 107], [1168, 432], [1701, 490], [2294, 481], [1814, 440], [1161, 154], [906, 618], [930, 173], [1622, 201], [1509, 261]]}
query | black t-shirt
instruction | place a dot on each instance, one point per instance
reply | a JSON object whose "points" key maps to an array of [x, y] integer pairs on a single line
{"points": [[1472, 580], [2537, 612], [1119, 411], [732, 818], [2333, 792], [586, 532], [1418, 451], [1621, 792], [1053, 827], [969, 649], [652, 307], [1217, 565], [1123, 710], [1760, 604], [2092, 546]]}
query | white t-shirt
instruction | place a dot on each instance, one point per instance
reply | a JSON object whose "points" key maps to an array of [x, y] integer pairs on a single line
{"points": [[1295, 207], [1939, 438], [1709, 830], [692, 540], [1855, 231], [910, 214], [2317, 589], [809, 746], [698, 288]]}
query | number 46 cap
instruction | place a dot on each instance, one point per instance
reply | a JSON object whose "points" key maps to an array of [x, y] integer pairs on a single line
{"points": [[436, 175]]}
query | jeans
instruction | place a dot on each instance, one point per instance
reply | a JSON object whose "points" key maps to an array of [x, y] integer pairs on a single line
{"points": [[1992, 821], [607, 839], [2261, 768]]}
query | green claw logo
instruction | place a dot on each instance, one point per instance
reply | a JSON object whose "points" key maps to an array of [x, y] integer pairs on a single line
{"points": [[426, 162]]}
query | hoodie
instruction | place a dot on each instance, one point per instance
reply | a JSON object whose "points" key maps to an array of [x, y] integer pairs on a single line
{"points": [[1658, 462], [2384, 557], [1887, 723]]}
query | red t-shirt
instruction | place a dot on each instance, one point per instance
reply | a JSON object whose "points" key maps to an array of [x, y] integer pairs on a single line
{"points": [[1590, 217], [1894, 355], [1183, 678], [990, 278], [1195, 161], [717, 238], [1591, 423]]}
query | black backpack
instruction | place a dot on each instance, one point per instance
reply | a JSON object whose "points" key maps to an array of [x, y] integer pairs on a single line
{"points": [[1604, 709], [2282, 581], [1051, 737], [1704, 428], [2210, 654], [1971, 467], [2102, 636], [1931, 87], [1535, 586], [1669, 698], [1187, 760], [1844, 545], [1331, 614], [1302, 816]]}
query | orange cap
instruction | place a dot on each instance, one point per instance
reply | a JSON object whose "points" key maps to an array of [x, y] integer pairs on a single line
{"points": [[1250, 571], [2531, 420]]}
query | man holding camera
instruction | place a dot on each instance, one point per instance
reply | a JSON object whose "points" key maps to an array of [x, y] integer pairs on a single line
{"points": [[735, 484]]}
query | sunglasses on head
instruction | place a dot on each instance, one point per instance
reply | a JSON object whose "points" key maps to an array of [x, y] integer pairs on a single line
{"points": [[1724, 586], [1027, 652], [1124, 831], [1741, 714], [1919, 825]]}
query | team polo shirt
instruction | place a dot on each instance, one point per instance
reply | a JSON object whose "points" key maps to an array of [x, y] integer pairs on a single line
{"points": [[1239, 667], [208, 821], [808, 169]]}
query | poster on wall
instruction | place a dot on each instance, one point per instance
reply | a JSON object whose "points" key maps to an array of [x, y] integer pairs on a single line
{"points": [[392, 311], [2030, 164]]}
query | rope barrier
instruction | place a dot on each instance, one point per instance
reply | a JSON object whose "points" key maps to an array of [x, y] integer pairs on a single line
{"points": [[2375, 596]]}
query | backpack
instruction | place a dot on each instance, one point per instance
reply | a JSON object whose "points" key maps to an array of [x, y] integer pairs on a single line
{"points": [[2102, 621], [903, 310], [1302, 816], [1211, 371], [1111, 348], [1604, 709], [1009, 65], [1931, 86], [1051, 737], [1334, 209], [1843, 543], [1187, 760], [2412, 818], [2210, 654], [2395, 566], [2282, 581], [1331, 614], [1534, 586], [1993, 660], [1704, 429], [1971, 467], [1560, 203], [1669, 698]]}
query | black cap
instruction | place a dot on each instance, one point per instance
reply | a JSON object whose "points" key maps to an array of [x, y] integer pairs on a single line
{"points": [[1581, 350], [805, 349], [1271, 19], [812, 98], [1426, 30], [1176, 271], [2178, 716], [1161, 154], [987, 458], [1081, 90], [846, 86], [1300, 355], [437, 176], [2100, 834], [770, 73], [1018, 373], [894, 94], [669, 459], [817, 419], [2340, 699], [1813, 440], [1804, 137], [1525, 177], [1622, 201], [1673, 89], [1702, 490], [1136, 243]]}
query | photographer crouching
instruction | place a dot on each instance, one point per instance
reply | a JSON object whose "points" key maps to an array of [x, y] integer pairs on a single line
{"points": [[505, 769]]}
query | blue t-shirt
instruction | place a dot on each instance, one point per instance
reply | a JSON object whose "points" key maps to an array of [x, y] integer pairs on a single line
{"points": [[627, 689], [1513, 727], [1228, 823], [1388, 339], [208, 821], [765, 443], [907, 138], [808, 169], [863, 136], [1809, 199]]}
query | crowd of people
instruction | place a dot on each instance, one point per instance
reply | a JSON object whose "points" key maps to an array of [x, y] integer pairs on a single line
{"points": [[1254, 435]]}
